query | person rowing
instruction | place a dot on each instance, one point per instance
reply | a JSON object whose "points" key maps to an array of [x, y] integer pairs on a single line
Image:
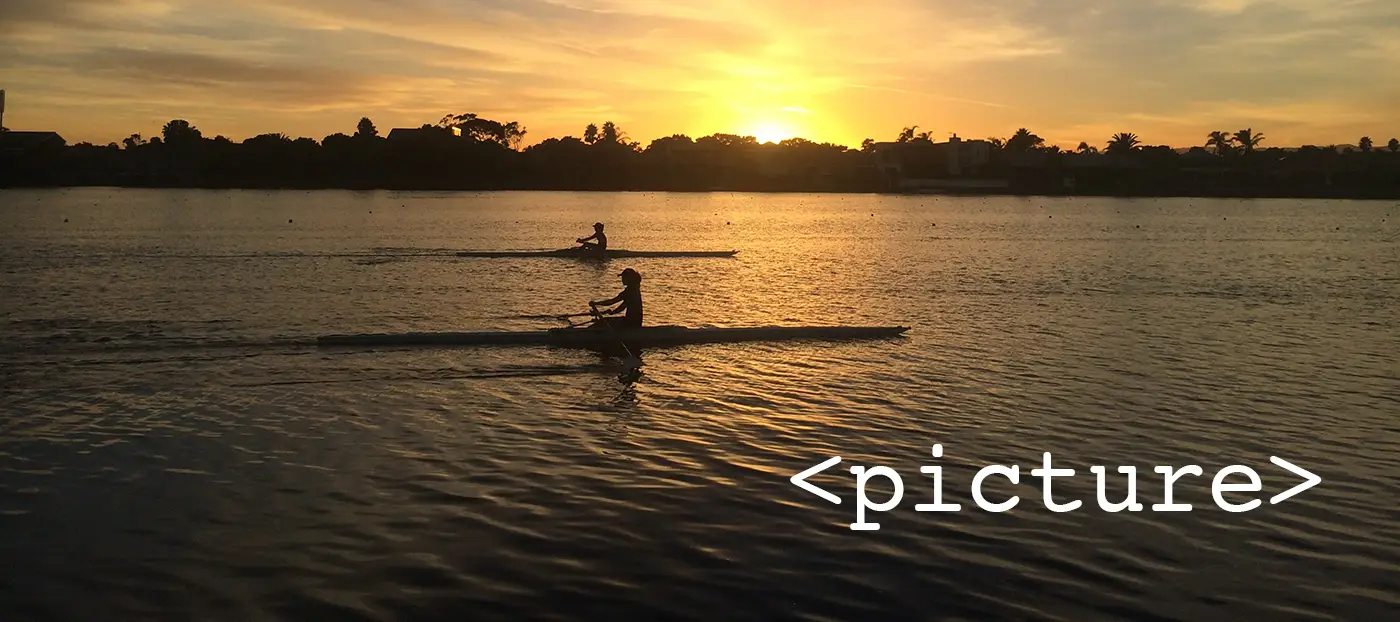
{"points": [[597, 242], [631, 303]]}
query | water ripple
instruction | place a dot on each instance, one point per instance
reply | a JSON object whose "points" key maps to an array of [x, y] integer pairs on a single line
{"points": [[172, 446]]}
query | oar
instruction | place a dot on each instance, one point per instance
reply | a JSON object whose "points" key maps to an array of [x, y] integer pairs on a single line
{"points": [[545, 317], [631, 363]]}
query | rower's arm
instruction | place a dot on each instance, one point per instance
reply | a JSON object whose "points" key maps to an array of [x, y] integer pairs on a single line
{"points": [[614, 299], [591, 237]]}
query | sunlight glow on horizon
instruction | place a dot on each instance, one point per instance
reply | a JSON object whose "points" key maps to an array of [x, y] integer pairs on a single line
{"points": [[772, 128], [770, 133]]}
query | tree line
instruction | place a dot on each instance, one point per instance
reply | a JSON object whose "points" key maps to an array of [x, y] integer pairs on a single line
{"points": [[471, 152]]}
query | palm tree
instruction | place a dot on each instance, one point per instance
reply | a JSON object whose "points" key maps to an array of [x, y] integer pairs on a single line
{"points": [[907, 134], [1393, 145], [610, 134], [1248, 140], [1365, 144], [1085, 147], [1123, 142], [1222, 141], [1022, 141]]}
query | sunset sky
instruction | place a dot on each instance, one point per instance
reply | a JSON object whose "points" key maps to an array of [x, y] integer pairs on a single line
{"points": [[1300, 71]]}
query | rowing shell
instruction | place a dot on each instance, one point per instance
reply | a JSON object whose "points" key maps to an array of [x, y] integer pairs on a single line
{"points": [[646, 337], [574, 253]]}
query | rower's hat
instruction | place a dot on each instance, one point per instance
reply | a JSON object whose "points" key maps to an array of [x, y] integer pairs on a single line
{"points": [[630, 273], [597, 225]]}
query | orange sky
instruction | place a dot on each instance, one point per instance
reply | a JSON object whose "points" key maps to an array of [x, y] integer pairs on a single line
{"points": [[1300, 71]]}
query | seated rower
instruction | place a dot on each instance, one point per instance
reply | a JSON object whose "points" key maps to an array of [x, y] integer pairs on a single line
{"points": [[599, 241], [631, 299]]}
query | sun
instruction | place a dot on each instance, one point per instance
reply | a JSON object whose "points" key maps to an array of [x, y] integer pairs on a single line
{"points": [[771, 133]]}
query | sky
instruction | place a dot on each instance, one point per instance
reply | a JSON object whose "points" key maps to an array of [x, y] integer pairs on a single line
{"points": [[1299, 71]]}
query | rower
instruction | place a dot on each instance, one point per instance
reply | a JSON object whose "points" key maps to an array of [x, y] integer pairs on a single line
{"points": [[631, 299], [599, 243]]}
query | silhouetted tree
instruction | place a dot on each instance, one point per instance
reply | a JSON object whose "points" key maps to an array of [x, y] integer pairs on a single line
{"points": [[478, 129], [665, 142], [1022, 141], [1248, 140], [337, 139], [514, 134], [798, 144], [484, 158], [610, 133], [1223, 142], [1122, 142], [729, 140], [180, 132], [267, 139], [365, 129]]}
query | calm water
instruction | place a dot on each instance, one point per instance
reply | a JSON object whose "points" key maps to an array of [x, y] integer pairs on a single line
{"points": [[171, 448]]}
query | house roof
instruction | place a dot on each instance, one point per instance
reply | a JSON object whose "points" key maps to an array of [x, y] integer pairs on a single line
{"points": [[24, 141]]}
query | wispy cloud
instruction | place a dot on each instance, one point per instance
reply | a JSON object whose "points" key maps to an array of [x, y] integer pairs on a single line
{"points": [[1170, 70]]}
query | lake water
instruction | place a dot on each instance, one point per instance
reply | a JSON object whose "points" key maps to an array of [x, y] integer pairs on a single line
{"points": [[173, 448]]}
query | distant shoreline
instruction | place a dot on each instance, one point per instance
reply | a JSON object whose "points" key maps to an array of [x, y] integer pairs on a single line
{"points": [[466, 153], [1008, 192]]}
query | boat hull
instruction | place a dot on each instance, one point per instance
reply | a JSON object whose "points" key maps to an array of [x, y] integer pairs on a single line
{"points": [[573, 253], [648, 337]]}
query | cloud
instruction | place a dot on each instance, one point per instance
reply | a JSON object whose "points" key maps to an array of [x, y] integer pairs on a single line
{"points": [[17, 14], [198, 69], [1069, 69]]}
